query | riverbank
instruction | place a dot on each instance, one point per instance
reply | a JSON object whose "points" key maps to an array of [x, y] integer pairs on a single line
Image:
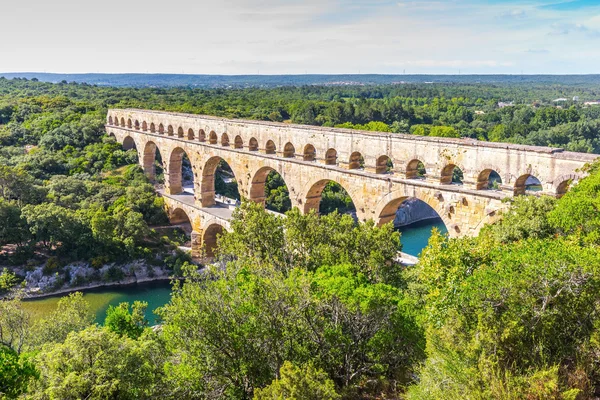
{"points": [[44, 280], [98, 285]]}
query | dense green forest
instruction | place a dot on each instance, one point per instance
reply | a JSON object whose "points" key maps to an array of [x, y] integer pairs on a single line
{"points": [[302, 307], [309, 307]]}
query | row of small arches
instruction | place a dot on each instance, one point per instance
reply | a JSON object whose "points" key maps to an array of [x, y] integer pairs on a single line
{"points": [[487, 179]]}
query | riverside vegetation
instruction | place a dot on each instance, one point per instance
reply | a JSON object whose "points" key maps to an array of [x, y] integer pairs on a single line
{"points": [[303, 307]]}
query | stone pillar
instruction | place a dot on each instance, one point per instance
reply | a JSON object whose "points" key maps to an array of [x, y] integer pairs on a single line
{"points": [[205, 196], [147, 163], [196, 245]]}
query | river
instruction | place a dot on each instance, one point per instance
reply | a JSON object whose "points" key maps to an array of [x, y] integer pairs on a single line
{"points": [[156, 294]]}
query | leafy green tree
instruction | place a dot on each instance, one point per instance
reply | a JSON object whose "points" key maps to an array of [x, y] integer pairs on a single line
{"points": [[299, 383], [16, 373], [126, 322], [97, 363], [309, 241], [52, 225], [526, 218], [72, 314], [17, 184], [444, 131]]}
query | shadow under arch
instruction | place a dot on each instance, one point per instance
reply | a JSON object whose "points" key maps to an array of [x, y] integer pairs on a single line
{"points": [[527, 184], [563, 183], [269, 189], [210, 238], [489, 179], [415, 169], [451, 174], [338, 198], [129, 143], [289, 151], [384, 165], [331, 157], [182, 220]]}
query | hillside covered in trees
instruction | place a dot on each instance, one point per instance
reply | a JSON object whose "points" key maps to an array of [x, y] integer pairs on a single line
{"points": [[302, 307]]}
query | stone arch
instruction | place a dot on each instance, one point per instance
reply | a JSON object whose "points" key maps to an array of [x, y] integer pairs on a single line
{"points": [[129, 143], [207, 186], [253, 144], [136, 125], [385, 211], [161, 129], [238, 142], [190, 134], [225, 139], [270, 147], [448, 175], [563, 183], [356, 161], [170, 131], [383, 165], [331, 157], [486, 179], [257, 185], [289, 151], [310, 153], [210, 237], [258, 188], [212, 138], [112, 135], [179, 216], [175, 171], [201, 135], [123, 122], [415, 169], [312, 199], [180, 132], [148, 160], [129, 123], [521, 185], [152, 127], [110, 120], [144, 126]]}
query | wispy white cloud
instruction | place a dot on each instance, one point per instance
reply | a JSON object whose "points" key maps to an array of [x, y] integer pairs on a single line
{"points": [[569, 28], [297, 36]]}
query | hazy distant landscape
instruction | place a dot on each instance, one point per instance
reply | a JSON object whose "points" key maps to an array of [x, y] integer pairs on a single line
{"points": [[238, 81]]}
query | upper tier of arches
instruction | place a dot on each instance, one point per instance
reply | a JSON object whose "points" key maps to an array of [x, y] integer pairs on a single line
{"points": [[488, 177]]}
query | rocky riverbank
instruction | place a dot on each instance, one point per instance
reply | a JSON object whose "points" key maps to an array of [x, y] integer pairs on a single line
{"points": [[82, 276]]}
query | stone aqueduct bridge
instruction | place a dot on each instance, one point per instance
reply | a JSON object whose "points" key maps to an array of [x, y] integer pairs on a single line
{"points": [[309, 157]]}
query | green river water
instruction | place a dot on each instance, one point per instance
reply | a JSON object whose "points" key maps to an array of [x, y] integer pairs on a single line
{"points": [[156, 294]]}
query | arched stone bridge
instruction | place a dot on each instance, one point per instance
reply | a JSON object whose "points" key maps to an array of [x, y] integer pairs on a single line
{"points": [[378, 170]]}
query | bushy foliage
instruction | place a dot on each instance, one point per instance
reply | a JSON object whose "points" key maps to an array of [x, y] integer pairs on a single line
{"points": [[513, 313], [299, 383]]}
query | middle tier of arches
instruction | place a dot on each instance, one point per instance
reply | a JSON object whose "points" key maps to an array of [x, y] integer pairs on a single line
{"points": [[304, 179]]}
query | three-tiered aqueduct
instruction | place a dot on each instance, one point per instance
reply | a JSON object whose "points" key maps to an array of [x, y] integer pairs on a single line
{"points": [[309, 157]]}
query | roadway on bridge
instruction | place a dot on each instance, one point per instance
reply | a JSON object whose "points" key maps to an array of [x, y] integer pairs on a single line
{"points": [[221, 210]]}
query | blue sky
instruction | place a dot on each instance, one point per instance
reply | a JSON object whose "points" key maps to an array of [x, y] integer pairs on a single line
{"points": [[303, 36]]}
